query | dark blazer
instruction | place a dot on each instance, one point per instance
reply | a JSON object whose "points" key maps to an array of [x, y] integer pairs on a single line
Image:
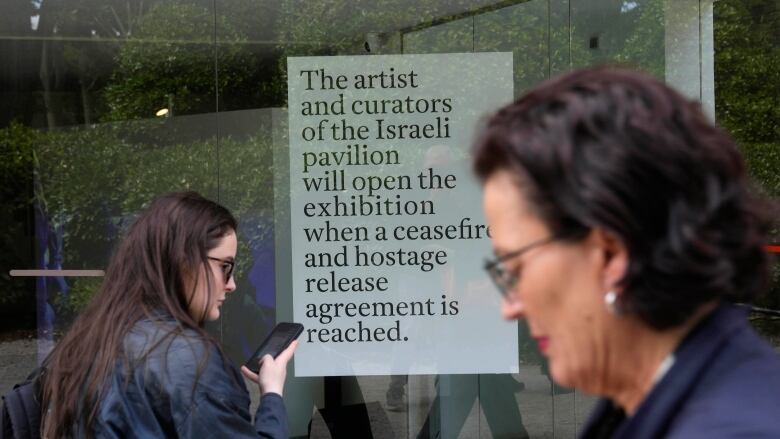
{"points": [[181, 385], [724, 383]]}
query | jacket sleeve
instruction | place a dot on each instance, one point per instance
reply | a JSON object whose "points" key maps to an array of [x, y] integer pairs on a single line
{"points": [[215, 416], [215, 403], [271, 417]]}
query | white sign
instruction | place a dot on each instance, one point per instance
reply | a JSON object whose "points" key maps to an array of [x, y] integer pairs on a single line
{"points": [[388, 236]]}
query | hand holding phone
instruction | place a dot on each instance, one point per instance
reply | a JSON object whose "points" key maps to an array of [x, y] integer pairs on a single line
{"points": [[280, 337]]}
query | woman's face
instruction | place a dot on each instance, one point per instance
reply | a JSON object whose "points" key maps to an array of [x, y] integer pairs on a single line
{"points": [[220, 258], [560, 286]]}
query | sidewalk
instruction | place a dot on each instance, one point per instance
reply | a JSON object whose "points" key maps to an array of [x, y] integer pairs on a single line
{"points": [[17, 359]]}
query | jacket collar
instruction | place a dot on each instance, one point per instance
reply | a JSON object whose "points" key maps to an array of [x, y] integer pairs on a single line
{"points": [[692, 357]]}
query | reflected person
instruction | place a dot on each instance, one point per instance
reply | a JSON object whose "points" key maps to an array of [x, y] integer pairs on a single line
{"points": [[137, 361], [624, 231]]}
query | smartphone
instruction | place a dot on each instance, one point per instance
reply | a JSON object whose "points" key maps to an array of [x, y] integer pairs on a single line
{"points": [[280, 337]]}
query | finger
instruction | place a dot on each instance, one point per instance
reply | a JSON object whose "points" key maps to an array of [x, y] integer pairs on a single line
{"points": [[288, 352], [267, 358], [249, 374]]}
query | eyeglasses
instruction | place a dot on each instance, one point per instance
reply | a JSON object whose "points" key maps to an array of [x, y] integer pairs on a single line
{"points": [[227, 267], [505, 279]]}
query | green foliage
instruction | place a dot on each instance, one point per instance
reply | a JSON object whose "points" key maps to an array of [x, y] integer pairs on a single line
{"points": [[747, 69], [72, 167], [644, 45], [16, 165], [747, 102], [169, 62], [92, 177], [95, 179], [763, 160], [68, 306], [633, 38], [16, 144]]}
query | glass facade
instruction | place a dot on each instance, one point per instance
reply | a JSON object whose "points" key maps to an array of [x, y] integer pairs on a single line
{"points": [[106, 104]]}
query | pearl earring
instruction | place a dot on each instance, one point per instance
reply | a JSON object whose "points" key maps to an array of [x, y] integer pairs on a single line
{"points": [[610, 299]]}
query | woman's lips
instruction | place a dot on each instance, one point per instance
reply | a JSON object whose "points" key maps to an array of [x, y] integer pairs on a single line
{"points": [[542, 343]]}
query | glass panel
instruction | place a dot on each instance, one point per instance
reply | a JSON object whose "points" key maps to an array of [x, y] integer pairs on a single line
{"points": [[544, 37], [747, 98], [656, 36], [518, 405], [618, 31], [522, 29], [107, 104], [439, 405], [453, 36], [111, 104]]}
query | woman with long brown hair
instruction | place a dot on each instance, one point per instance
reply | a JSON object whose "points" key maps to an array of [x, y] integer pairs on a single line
{"points": [[137, 361]]}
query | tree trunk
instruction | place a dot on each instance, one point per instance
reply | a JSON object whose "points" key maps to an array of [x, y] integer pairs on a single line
{"points": [[45, 76], [85, 103]]}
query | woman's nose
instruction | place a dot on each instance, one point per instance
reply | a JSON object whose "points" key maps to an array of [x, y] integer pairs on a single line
{"points": [[231, 285], [512, 308]]}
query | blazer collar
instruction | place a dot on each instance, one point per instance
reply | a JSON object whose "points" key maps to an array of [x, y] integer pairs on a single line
{"points": [[692, 357]]}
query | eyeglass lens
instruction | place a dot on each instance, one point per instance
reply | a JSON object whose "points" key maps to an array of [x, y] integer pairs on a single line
{"points": [[226, 267]]}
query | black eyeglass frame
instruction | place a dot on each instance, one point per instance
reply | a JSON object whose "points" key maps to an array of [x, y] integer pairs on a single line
{"points": [[226, 274], [505, 280]]}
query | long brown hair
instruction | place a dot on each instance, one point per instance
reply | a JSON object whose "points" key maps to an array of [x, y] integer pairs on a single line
{"points": [[154, 269]]}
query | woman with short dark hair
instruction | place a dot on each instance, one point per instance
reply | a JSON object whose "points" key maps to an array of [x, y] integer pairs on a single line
{"points": [[629, 216], [137, 363]]}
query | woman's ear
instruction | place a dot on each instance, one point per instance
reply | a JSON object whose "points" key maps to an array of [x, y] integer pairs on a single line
{"points": [[615, 258]]}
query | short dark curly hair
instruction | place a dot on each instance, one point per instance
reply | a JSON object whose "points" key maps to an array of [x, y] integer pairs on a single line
{"points": [[619, 150]]}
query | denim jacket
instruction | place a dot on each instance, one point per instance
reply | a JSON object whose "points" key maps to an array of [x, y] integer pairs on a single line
{"points": [[180, 385]]}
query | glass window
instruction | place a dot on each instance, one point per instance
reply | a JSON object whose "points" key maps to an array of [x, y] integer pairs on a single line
{"points": [[747, 98], [107, 104]]}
